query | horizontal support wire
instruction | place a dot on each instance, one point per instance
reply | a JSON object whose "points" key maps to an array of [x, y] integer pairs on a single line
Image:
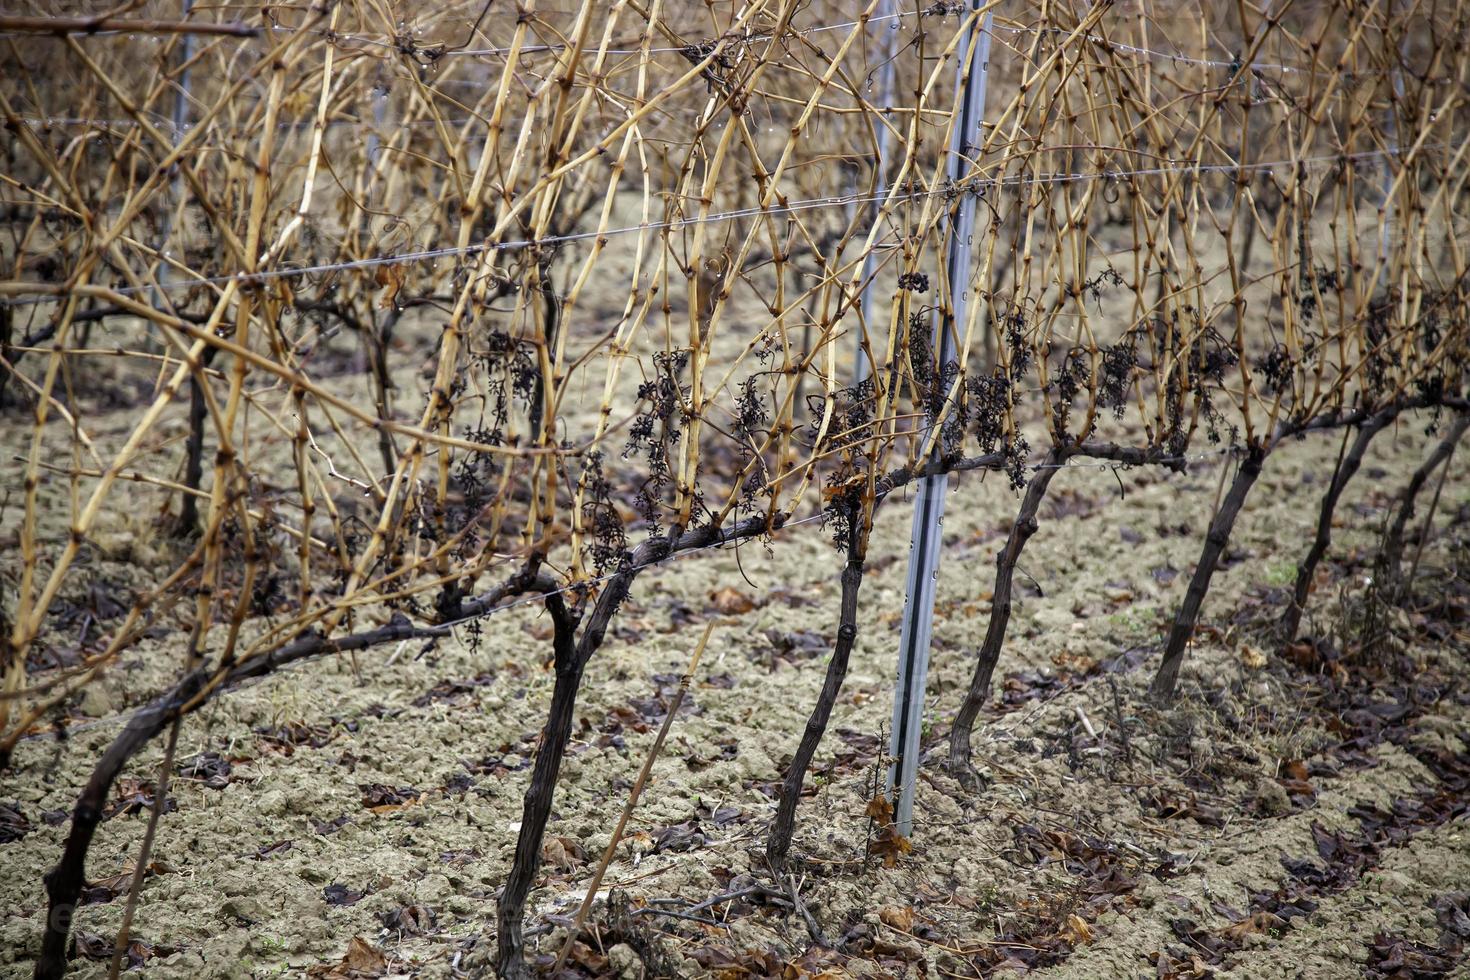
{"points": [[972, 185], [399, 44], [1174, 57]]}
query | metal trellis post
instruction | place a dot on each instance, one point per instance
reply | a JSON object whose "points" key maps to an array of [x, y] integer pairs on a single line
{"points": [[925, 539]]}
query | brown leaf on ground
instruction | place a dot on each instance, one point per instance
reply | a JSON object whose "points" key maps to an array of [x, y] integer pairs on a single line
{"points": [[411, 920], [381, 798], [899, 917], [1076, 663], [731, 602], [362, 959], [1303, 655], [1292, 769], [588, 959], [122, 881], [1076, 930], [1395, 957], [1259, 924], [13, 823], [135, 796], [274, 848], [340, 895], [563, 853], [729, 964], [890, 845], [1298, 788], [817, 964], [1173, 805], [1172, 969], [91, 946]]}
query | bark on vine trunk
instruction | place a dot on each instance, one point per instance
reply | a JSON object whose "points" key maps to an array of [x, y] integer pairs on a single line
{"points": [[377, 341], [1306, 571], [1166, 680], [572, 655], [64, 881], [510, 958], [779, 843], [1022, 529]]}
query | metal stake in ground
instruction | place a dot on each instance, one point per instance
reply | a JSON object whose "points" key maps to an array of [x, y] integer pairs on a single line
{"points": [[924, 542]]}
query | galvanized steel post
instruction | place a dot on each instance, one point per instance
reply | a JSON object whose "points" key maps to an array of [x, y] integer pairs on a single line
{"points": [[925, 540]]}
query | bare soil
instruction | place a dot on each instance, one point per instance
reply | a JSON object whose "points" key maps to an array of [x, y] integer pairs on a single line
{"points": [[1298, 813]]}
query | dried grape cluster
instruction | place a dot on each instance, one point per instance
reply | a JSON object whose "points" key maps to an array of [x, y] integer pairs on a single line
{"points": [[656, 428]]}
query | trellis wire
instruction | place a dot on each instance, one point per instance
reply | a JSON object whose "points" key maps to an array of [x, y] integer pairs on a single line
{"points": [[973, 185], [1176, 57]]}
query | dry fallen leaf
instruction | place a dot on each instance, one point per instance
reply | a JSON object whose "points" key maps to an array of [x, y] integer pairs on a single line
{"points": [[124, 878], [899, 918], [1077, 663], [639, 842], [1293, 769], [1303, 655], [562, 853], [1076, 930], [362, 959], [363, 956], [1259, 924], [1252, 658], [555, 855], [731, 601]]}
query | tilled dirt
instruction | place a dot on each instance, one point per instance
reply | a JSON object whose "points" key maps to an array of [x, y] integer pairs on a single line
{"points": [[1300, 813]]}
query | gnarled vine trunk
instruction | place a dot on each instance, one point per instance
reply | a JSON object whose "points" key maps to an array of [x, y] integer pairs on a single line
{"points": [[779, 843], [536, 808], [1022, 528], [1167, 679]]}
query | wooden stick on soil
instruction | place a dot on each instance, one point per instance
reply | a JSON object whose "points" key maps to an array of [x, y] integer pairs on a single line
{"points": [[633, 794]]}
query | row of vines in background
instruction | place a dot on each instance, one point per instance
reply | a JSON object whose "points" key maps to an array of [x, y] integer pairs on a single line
{"points": [[486, 303]]}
